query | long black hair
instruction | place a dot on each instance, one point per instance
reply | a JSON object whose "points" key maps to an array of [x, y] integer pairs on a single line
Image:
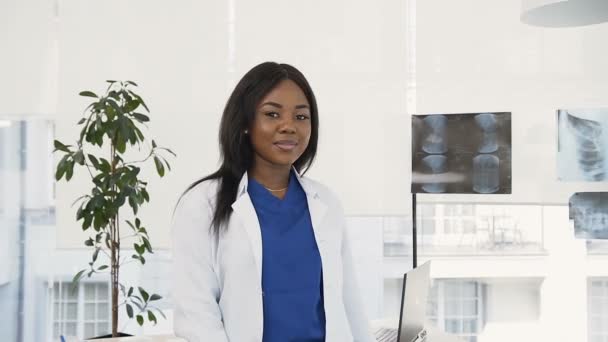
{"points": [[236, 151]]}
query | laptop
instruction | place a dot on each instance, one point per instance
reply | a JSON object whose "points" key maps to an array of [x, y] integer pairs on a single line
{"points": [[414, 294]]}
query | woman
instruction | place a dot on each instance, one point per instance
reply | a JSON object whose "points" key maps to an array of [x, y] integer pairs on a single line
{"points": [[261, 252]]}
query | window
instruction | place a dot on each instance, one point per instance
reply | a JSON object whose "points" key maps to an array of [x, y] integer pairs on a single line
{"points": [[459, 219], [426, 219], [597, 307], [455, 306], [82, 313]]}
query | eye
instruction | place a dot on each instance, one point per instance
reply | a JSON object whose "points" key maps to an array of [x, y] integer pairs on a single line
{"points": [[272, 114], [302, 117]]}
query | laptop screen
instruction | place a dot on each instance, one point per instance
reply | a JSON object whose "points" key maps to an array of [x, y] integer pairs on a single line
{"points": [[414, 295]]}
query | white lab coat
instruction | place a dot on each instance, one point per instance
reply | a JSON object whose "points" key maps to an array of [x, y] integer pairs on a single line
{"points": [[217, 289]]}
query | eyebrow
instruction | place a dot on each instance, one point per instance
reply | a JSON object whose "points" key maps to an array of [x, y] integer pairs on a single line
{"points": [[274, 104]]}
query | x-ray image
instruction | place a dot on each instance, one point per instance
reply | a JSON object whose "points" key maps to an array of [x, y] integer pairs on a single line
{"points": [[461, 153], [589, 211], [582, 144]]}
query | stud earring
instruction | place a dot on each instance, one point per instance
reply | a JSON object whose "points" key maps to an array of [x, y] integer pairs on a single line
{"points": [[246, 131]]}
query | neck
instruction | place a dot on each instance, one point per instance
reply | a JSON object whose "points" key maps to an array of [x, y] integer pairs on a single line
{"points": [[271, 177]]}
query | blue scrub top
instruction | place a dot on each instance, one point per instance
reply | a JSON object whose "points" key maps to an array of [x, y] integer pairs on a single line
{"points": [[292, 280]]}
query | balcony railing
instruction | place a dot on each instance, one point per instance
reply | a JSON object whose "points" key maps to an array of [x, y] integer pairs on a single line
{"points": [[468, 229]]}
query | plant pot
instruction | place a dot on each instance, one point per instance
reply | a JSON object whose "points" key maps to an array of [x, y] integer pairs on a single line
{"points": [[108, 336]]}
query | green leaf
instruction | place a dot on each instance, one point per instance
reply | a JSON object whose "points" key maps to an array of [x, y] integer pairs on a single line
{"points": [[121, 145], [111, 81], [102, 267], [160, 168], [61, 147], [137, 222], [130, 292], [160, 312], [94, 161], [144, 294], [140, 100], [141, 249], [105, 166], [147, 244], [133, 204], [144, 193], [155, 297], [151, 317], [95, 254], [89, 242], [87, 222], [79, 157], [81, 121], [141, 117], [140, 320], [132, 83], [153, 144], [88, 94], [168, 150], [69, 170], [129, 311], [77, 277], [61, 167]]}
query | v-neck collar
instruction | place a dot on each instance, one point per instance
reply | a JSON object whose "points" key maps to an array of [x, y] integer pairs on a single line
{"points": [[267, 199]]}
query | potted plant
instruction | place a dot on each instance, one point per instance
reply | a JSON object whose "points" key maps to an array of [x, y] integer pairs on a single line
{"points": [[111, 127]]}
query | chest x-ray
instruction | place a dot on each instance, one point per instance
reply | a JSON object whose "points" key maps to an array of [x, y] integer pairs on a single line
{"points": [[589, 211], [582, 145], [461, 153]]}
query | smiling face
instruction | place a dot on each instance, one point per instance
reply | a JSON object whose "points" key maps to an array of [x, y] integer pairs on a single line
{"points": [[281, 127]]}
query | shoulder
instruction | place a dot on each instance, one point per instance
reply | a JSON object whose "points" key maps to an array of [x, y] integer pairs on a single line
{"points": [[321, 190], [199, 193]]}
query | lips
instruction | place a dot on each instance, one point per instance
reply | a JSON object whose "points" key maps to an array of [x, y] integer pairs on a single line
{"points": [[286, 145]]}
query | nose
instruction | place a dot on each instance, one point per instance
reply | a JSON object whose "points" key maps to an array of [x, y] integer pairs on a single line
{"points": [[287, 125]]}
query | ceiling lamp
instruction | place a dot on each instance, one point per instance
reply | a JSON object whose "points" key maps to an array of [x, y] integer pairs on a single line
{"points": [[564, 13]]}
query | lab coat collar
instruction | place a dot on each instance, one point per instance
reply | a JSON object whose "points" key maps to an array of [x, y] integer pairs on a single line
{"points": [[309, 188]]}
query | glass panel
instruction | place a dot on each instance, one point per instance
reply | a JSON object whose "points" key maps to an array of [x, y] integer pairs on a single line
{"points": [[452, 308], [89, 330], [102, 291], [469, 307], [70, 329], [56, 311], [597, 289], [469, 289], [103, 312], [452, 326], [89, 311], [470, 326], [103, 328], [68, 294], [452, 289], [71, 312], [56, 329], [89, 292]]}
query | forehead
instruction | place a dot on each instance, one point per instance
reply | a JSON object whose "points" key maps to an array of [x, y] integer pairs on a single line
{"points": [[286, 93]]}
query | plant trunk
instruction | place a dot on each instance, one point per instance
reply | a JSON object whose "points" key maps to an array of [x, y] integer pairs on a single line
{"points": [[115, 244], [114, 277]]}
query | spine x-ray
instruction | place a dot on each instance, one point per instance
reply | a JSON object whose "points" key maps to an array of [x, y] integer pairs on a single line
{"points": [[461, 153], [589, 211], [582, 144]]}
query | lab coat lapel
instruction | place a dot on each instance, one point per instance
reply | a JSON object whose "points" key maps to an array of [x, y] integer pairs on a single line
{"points": [[243, 208], [316, 207]]}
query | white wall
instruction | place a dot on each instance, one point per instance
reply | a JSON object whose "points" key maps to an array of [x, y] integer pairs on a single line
{"points": [[28, 62], [187, 58], [474, 56]]}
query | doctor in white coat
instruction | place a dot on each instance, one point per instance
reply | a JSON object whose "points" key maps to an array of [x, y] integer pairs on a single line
{"points": [[232, 280]]}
